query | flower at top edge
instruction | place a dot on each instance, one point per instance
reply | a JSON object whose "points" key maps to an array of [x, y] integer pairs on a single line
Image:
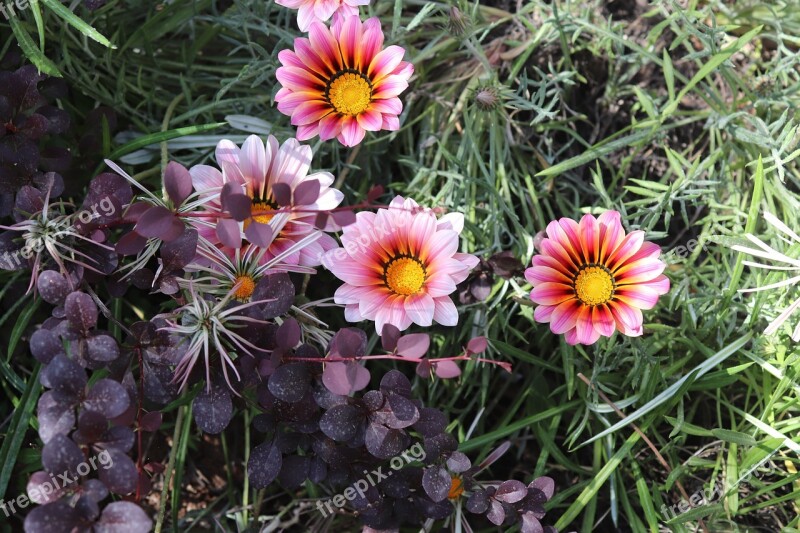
{"points": [[340, 82], [309, 11]]}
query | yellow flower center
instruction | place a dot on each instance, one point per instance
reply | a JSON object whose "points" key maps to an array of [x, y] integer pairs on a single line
{"points": [[259, 207], [405, 276], [245, 285], [594, 285], [456, 488], [350, 93]]}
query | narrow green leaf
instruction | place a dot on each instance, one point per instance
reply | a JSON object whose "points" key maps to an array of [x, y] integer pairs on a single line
{"points": [[12, 442], [21, 325], [161, 136], [669, 75], [735, 437], [76, 22], [30, 49], [752, 218], [37, 16]]}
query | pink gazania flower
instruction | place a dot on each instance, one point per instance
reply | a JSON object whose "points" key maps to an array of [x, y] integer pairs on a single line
{"points": [[399, 266], [341, 82], [591, 278], [309, 11], [256, 168]]}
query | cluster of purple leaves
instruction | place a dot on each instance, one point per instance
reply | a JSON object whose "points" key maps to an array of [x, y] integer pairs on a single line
{"points": [[79, 421]]}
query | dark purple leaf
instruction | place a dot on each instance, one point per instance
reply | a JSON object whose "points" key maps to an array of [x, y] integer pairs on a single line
{"points": [[123, 517], [288, 334], [53, 287], [158, 222], [404, 411], [396, 382], [56, 516], [108, 398], [436, 482], [383, 442], [294, 471], [62, 456], [349, 342], [458, 462], [235, 202], [277, 292], [91, 426], [431, 422], [45, 345], [544, 484], [345, 378], [478, 502], [213, 409], [531, 524], [229, 233], [424, 369], [130, 244], [496, 514], [94, 489], [321, 221], [389, 337], [264, 465], [81, 311], [344, 218], [64, 376], [259, 234], [151, 422], [177, 182], [511, 491], [102, 348], [180, 252], [117, 471], [120, 438], [42, 489], [55, 417], [341, 422], [413, 346], [282, 194], [307, 192], [290, 382]]}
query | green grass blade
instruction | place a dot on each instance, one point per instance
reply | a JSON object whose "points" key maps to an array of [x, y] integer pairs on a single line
{"points": [[12, 441], [155, 138], [76, 22], [31, 51]]}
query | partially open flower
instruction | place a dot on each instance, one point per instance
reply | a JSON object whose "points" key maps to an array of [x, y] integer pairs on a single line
{"points": [[591, 279], [309, 11], [400, 265]]}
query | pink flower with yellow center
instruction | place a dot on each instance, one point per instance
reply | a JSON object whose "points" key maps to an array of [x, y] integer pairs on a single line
{"points": [[591, 279], [256, 169], [341, 82], [309, 11], [400, 265]]}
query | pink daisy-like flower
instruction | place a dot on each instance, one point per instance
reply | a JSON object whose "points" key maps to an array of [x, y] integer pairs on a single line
{"points": [[591, 278], [256, 169], [341, 82], [309, 11], [399, 266]]}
